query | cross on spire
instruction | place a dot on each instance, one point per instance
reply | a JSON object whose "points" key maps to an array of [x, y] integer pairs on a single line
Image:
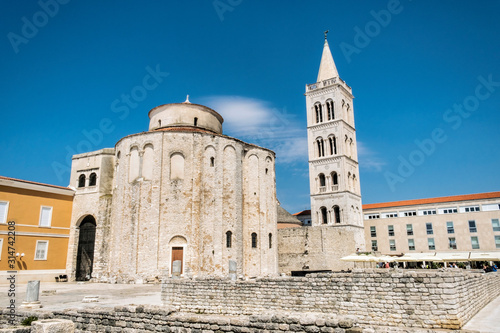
{"points": [[326, 33]]}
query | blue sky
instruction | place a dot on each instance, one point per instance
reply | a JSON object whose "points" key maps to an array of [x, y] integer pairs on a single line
{"points": [[425, 74]]}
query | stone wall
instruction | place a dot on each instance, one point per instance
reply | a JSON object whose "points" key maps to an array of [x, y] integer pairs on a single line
{"points": [[423, 299], [163, 319], [316, 248]]}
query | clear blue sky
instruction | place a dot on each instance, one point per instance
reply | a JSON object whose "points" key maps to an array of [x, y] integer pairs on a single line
{"points": [[64, 75]]}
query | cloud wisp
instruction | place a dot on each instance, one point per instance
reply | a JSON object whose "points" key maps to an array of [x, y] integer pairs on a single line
{"points": [[368, 159], [256, 121]]}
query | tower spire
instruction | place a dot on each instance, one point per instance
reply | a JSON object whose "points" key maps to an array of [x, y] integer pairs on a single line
{"points": [[327, 68]]}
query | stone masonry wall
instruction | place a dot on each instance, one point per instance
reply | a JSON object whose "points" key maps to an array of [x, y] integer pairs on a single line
{"points": [[140, 318], [421, 299]]}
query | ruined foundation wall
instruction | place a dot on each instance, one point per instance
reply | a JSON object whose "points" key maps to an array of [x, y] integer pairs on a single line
{"points": [[162, 319], [443, 299]]}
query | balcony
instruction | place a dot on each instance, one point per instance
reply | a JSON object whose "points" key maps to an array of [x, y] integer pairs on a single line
{"points": [[322, 189]]}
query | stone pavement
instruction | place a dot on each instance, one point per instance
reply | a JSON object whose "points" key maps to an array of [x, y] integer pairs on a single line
{"points": [[65, 295], [487, 320]]}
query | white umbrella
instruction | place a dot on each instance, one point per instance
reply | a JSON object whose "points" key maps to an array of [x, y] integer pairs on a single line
{"points": [[486, 256], [359, 257], [453, 256]]}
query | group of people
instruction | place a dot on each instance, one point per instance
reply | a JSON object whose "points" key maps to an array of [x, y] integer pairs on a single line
{"points": [[488, 268]]}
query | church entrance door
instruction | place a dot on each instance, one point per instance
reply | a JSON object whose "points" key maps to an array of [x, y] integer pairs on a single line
{"points": [[177, 254], [86, 242]]}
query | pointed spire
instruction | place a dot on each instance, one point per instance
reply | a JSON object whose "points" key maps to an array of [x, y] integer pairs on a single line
{"points": [[327, 69]]}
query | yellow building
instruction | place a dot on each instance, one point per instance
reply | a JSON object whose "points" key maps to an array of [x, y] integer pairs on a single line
{"points": [[40, 216]]}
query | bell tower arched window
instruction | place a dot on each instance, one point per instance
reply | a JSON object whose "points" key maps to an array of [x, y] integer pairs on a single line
{"points": [[336, 213], [229, 236], [330, 109], [319, 113], [324, 215], [322, 183], [321, 147], [333, 145]]}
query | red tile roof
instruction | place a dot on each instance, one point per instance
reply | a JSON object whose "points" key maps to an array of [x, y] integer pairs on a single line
{"points": [[34, 183], [304, 212], [465, 197]]}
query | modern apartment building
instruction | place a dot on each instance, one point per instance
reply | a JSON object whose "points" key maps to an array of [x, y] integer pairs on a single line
{"points": [[455, 223]]}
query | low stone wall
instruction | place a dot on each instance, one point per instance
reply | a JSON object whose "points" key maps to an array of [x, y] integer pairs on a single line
{"points": [[162, 319], [421, 299]]}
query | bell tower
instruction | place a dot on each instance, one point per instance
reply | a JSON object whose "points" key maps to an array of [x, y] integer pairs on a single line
{"points": [[333, 157]]}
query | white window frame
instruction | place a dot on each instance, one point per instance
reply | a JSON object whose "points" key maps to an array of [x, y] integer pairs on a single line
{"points": [[411, 244], [426, 212], [472, 242], [472, 229], [373, 231], [50, 217], [1, 247], [497, 224], [392, 243], [470, 209], [448, 210], [497, 242], [408, 213], [3, 219], [46, 249], [431, 244], [409, 229], [448, 229], [374, 245]]}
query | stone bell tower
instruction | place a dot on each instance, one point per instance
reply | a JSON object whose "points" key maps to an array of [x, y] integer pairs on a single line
{"points": [[333, 157]]}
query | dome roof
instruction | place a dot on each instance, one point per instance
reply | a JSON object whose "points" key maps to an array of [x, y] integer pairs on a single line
{"points": [[185, 115]]}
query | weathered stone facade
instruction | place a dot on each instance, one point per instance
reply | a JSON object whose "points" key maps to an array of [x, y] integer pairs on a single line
{"points": [[180, 191], [315, 248], [419, 299]]}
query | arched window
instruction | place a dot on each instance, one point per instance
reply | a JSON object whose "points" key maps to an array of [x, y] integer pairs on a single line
{"points": [[322, 183], [321, 147], [330, 109], [212, 161], [354, 183], [324, 215], [319, 113], [81, 181], [333, 145], [229, 240], [335, 181], [92, 179], [270, 240], [336, 212], [321, 179], [254, 240], [195, 121]]}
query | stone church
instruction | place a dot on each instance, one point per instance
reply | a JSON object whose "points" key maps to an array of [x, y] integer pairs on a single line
{"points": [[180, 191], [184, 191]]}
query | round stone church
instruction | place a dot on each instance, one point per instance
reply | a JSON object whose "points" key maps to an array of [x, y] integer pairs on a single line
{"points": [[180, 191]]}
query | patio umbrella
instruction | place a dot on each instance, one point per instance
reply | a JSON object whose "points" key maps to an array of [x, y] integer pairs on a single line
{"points": [[484, 256], [453, 256]]}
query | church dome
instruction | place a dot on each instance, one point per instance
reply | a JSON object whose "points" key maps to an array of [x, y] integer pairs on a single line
{"points": [[185, 115]]}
